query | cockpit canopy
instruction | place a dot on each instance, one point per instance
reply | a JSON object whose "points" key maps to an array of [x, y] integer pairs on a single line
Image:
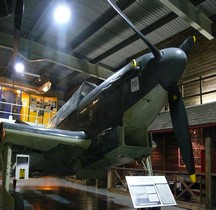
{"points": [[72, 103]]}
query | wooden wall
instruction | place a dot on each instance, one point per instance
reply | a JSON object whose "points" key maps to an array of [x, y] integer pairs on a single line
{"points": [[165, 156], [202, 57], [201, 63]]}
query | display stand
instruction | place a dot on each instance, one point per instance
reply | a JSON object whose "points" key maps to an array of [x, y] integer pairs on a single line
{"points": [[149, 191]]}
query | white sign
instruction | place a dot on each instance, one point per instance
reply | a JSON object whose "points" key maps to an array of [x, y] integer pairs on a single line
{"points": [[135, 84], [149, 191], [22, 167]]}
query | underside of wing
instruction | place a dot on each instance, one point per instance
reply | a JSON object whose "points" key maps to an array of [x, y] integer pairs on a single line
{"points": [[42, 139]]}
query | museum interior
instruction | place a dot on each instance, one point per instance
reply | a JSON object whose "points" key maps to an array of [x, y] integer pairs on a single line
{"points": [[107, 104]]}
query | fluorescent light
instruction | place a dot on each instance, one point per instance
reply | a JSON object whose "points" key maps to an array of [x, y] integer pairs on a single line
{"points": [[31, 74]]}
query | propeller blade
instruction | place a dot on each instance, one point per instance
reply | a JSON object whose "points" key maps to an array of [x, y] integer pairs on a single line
{"points": [[156, 52], [187, 44], [181, 128], [7, 7], [18, 12]]}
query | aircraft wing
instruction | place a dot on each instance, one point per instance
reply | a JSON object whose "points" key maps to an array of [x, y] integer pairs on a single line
{"points": [[42, 139]]}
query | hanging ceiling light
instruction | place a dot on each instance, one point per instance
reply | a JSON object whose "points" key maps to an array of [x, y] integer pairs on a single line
{"points": [[62, 14], [19, 67]]}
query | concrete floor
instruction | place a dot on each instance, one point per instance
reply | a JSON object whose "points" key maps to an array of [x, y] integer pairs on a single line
{"points": [[51, 193]]}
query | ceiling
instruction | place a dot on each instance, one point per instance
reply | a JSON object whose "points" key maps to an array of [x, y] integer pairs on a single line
{"points": [[96, 42]]}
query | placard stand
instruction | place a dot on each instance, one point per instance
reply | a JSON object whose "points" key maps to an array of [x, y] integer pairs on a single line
{"points": [[149, 191], [22, 167]]}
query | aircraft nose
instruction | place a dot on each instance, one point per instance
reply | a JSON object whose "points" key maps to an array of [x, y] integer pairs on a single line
{"points": [[171, 67]]}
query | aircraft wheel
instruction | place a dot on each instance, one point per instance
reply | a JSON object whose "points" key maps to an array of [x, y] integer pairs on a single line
{"points": [[18, 201]]}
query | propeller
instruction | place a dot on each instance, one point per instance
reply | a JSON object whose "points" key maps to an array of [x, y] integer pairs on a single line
{"points": [[179, 118], [155, 51], [18, 12], [177, 108], [187, 44], [16, 7], [181, 128]]}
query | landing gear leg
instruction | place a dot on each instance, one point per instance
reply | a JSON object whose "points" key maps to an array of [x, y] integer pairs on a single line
{"points": [[147, 165]]}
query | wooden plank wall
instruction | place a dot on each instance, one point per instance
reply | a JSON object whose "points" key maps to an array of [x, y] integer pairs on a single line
{"points": [[159, 153], [202, 57], [165, 155], [201, 63]]}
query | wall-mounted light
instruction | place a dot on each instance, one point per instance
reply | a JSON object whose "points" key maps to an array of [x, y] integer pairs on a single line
{"points": [[18, 92], [46, 86]]}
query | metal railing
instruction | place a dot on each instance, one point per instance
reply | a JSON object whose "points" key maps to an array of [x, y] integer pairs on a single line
{"points": [[28, 114]]}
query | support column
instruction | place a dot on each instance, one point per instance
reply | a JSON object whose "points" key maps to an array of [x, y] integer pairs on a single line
{"points": [[8, 201], [208, 178], [147, 165], [110, 178], [7, 167]]}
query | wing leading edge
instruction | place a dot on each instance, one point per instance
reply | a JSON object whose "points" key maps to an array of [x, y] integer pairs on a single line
{"points": [[42, 139]]}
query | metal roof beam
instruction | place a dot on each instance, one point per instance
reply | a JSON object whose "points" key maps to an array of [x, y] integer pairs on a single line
{"points": [[68, 78], [171, 16], [34, 52], [191, 15], [197, 2], [41, 7], [97, 24]]}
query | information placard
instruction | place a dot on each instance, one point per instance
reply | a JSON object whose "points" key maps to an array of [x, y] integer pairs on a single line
{"points": [[150, 191], [22, 167]]}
